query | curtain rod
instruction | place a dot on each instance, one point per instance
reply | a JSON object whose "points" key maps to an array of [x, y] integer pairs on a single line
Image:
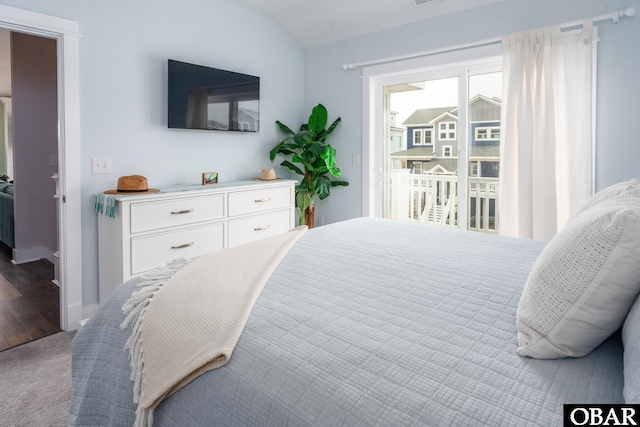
{"points": [[614, 16]]}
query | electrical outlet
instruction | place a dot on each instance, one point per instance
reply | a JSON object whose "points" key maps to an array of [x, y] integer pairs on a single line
{"points": [[100, 165], [355, 159]]}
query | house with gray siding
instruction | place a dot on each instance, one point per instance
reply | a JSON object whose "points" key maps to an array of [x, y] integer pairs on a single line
{"points": [[432, 140]]}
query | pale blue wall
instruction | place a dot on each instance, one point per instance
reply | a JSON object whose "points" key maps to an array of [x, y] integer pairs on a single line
{"points": [[123, 52], [125, 46], [618, 108]]}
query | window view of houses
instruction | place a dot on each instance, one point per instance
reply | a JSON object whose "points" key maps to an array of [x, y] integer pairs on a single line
{"points": [[424, 161]]}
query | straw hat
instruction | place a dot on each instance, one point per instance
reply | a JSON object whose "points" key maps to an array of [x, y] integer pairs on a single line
{"points": [[267, 175], [132, 184]]}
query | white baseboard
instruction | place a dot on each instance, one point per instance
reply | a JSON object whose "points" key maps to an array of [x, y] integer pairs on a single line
{"points": [[89, 310], [75, 314], [36, 253]]}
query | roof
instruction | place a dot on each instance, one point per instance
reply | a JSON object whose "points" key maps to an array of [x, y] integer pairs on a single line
{"points": [[426, 153], [450, 114], [423, 116], [415, 153], [485, 151], [451, 165], [480, 97]]}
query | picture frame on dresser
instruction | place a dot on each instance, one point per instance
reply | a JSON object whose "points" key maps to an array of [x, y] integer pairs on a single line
{"points": [[209, 178]]}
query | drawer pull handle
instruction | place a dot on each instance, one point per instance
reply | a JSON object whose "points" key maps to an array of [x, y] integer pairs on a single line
{"points": [[262, 200], [186, 245], [181, 212], [264, 227]]}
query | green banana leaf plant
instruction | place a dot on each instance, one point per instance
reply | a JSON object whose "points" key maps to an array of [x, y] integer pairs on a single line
{"points": [[311, 157]]}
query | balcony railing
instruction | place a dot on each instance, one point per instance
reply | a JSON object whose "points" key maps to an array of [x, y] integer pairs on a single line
{"points": [[433, 199]]}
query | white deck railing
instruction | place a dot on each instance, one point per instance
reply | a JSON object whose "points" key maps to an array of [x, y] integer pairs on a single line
{"points": [[483, 204], [433, 199]]}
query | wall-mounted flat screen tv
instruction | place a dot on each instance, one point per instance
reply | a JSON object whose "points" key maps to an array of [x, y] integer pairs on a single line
{"points": [[207, 98]]}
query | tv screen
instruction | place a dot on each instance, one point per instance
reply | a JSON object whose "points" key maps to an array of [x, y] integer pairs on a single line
{"points": [[207, 98]]}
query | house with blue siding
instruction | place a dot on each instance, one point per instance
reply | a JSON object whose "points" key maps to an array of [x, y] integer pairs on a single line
{"points": [[432, 140]]}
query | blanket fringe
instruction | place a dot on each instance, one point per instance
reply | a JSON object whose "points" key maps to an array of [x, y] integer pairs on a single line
{"points": [[134, 309]]}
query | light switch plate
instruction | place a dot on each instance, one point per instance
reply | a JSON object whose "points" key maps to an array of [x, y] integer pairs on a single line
{"points": [[100, 165]]}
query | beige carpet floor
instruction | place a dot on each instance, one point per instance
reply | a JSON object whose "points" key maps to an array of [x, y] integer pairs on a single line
{"points": [[35, 382]]}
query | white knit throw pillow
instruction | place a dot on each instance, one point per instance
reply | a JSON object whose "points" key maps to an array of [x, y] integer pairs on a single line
{"points": [[625, 190], [583, 284]]}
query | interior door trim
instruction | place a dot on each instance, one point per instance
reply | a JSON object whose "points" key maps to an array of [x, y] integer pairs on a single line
{"points": [[66, 33]]}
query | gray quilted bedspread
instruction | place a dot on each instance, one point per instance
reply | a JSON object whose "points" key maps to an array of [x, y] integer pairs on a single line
{"points": [[365, 323]]}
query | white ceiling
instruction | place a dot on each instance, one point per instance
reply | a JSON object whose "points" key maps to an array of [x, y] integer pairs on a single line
{"points": [[317, 22]]}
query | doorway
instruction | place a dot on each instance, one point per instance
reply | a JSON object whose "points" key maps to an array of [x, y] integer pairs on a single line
{"points": [[65, 32], [422, 175], [429, 176], [30, 301]]}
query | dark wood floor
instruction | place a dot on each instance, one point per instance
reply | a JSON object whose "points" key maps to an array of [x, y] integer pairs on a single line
{"points": [[29, 301]]}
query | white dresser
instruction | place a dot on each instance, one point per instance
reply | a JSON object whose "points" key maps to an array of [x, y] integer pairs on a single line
{"points": [[152, 229]]}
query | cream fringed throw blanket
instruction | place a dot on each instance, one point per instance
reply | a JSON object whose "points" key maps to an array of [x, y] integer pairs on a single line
{"points": [[188, 317]]}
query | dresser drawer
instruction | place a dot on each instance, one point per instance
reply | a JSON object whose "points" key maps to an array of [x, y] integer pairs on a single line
{"points": [[180, 211], [258, 227], [246, 202], [144, 230], [158, 249]]}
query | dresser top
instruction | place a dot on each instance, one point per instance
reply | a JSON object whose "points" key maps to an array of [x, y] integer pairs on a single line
{"points": [[195, 188]]}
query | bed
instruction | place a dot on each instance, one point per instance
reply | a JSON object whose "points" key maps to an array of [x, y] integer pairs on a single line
{"points": [[370, 322]]}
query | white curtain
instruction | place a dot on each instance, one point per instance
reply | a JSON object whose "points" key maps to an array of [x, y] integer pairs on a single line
{"points": [[546, 137]]}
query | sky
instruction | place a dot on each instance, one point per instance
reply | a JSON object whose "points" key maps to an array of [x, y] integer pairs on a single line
{"points": [[443, 93]]}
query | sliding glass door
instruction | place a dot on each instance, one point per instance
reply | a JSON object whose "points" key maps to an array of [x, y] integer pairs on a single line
{"points": [[485, 108], [437, 146], [421, 173]]}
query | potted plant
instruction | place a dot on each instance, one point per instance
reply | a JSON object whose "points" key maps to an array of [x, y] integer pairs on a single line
{"points": [[316, 158]]}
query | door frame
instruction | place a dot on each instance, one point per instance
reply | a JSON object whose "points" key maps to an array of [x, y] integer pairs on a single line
{"points": [[374, 78], [66, 34]]}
